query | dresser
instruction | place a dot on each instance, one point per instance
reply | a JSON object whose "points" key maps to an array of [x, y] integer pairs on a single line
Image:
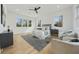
{"points": [[6, 39]]}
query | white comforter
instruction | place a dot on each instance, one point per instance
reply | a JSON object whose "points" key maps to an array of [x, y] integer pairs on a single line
{"points": [[41, 34]]}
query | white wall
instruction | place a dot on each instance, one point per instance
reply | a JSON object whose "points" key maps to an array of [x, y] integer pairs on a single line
{"points": [[11, 21], [76, 20], [46, 19], [67, 19]]}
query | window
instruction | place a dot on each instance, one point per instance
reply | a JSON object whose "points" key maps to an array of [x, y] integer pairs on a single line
{"points": [[58, 21], [20, 22]]}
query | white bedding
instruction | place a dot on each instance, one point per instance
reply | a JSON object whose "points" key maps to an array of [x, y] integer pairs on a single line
{"points": [[41, 34]]}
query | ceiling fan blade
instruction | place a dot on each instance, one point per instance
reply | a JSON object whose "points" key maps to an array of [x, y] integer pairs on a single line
{"points": [[38, 8]]}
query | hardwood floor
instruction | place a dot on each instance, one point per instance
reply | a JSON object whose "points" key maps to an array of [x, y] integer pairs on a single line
{"points": [[0, 50], [54, 47], [47, 49], [22, 47]]}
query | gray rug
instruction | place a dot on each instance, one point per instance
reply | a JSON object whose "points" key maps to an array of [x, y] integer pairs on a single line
{"points": [[38, 44]]}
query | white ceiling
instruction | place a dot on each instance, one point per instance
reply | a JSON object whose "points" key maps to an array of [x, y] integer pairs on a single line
{"points": [[44, 10]]}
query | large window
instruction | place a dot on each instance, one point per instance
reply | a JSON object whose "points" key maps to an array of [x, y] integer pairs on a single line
{"points": [[58, 21], [21, 22]]}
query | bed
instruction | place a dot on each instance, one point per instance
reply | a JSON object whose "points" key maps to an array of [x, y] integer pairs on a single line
{"points": [[41, 34]]}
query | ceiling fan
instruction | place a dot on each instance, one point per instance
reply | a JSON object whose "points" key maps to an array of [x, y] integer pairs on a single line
{"points": [[35, 9]]}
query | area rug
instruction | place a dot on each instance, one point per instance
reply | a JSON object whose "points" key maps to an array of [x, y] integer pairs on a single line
{"points": [[38, 44]]}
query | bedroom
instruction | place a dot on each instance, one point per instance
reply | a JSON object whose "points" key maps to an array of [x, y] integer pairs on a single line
{"points": [[38, 20]]}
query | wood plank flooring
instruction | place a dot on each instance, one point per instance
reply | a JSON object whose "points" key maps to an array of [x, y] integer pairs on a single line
{"points": [[54, 47], [22, 47]]}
